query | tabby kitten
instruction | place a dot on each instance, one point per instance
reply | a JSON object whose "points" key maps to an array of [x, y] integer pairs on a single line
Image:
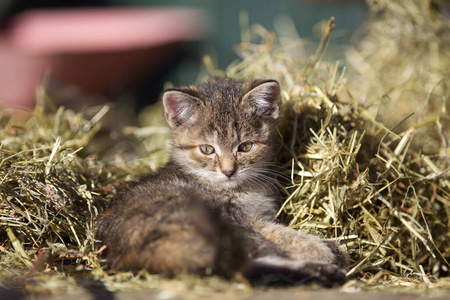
{"points": [[210, 209]]}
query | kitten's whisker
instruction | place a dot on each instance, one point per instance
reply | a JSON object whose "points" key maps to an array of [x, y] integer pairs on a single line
{"points": [[272, 167], [255, 179], [267, 174], [265, 181], [271, 180], [263, 175], [273, 183], [273, 173]]}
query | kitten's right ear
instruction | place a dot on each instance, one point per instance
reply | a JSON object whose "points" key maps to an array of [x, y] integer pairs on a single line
{"points": [[180, 108], [263, 98]]}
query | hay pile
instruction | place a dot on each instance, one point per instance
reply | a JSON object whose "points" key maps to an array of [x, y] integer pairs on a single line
{"points": [[52, 189], [369, 182], [49, 191], [402, 64], [362, 171]]}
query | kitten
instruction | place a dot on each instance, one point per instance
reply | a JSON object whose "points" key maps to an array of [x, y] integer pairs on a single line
{"points": [[210, 209]]}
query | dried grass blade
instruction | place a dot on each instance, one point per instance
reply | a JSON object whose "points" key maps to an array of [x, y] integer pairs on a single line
{"points": [[17, 245]]}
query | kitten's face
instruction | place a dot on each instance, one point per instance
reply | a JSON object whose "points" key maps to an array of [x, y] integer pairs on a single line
{"points": [[222, 130]]}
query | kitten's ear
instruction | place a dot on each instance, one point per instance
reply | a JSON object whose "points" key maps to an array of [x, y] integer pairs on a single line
{"points": [[180, 108], [264, 98]]}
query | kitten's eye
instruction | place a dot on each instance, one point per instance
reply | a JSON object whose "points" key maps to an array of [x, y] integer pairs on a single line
{"points": [[207, 149], [245, 147]]}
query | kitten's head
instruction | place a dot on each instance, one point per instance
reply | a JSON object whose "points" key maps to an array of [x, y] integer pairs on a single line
{"points": [[222, 130]]}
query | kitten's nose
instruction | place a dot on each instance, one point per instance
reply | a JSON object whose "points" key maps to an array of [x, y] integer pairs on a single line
{"points": [[228, 173]]}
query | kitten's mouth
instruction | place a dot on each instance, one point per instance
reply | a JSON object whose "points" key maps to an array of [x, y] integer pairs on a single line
{"points": [[229, 183], [220, 179], [225, 181]]}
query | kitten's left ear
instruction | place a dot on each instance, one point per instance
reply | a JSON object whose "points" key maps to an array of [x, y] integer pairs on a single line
{"points": [[181, 107], [264, 98]]}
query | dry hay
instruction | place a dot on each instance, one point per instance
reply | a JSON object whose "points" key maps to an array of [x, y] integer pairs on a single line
{"points": [[358, 173], [52, 189], [354, 176]]}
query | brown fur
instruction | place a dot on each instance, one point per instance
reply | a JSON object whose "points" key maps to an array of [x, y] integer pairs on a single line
{"points": [[212, 212]]}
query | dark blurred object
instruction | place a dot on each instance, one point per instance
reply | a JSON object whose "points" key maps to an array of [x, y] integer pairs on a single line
{"points": [[9, 8], [100, 50]]}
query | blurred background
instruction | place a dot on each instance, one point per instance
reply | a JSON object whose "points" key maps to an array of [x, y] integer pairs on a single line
{"points": [[91, 51]]}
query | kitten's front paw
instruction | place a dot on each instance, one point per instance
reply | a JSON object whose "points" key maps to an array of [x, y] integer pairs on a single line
{"points": [[280, 271]]}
